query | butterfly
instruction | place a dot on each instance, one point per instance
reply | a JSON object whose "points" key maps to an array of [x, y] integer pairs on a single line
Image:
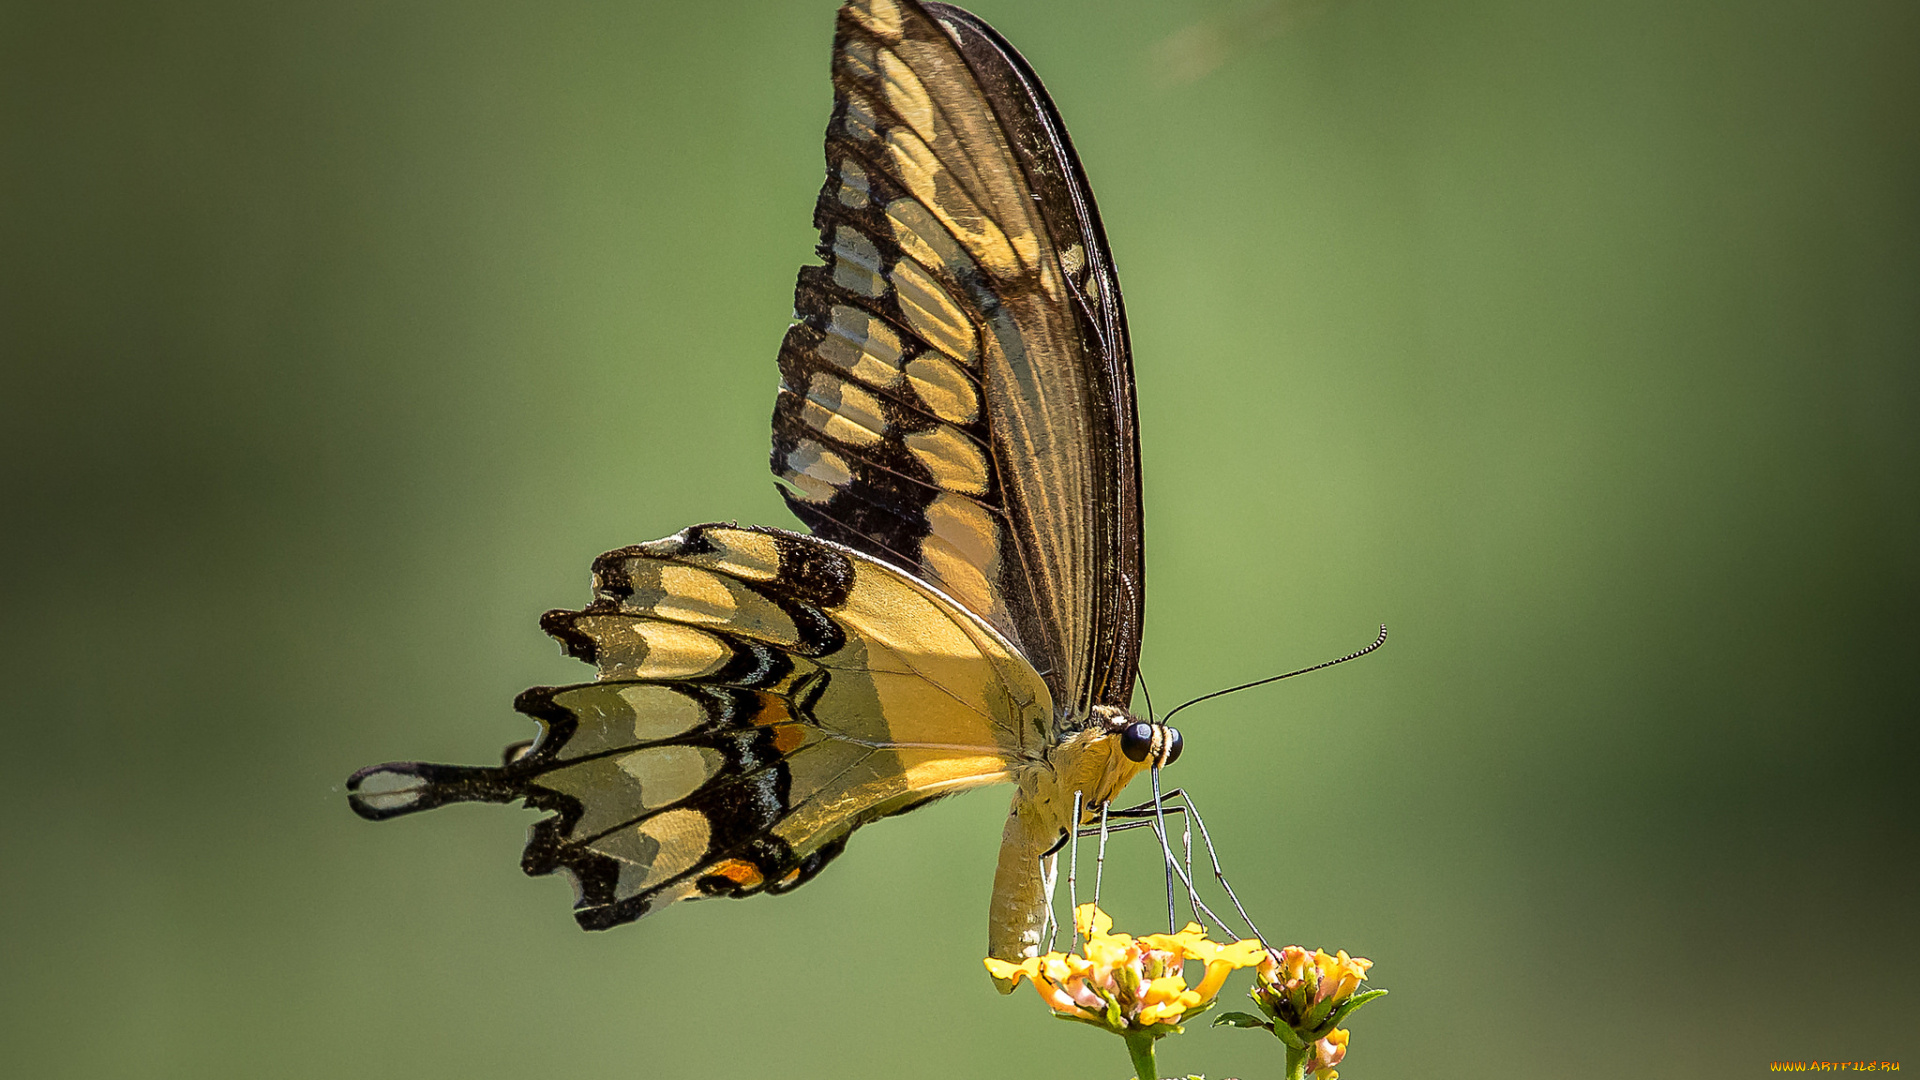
{"points": [[956, 425]]}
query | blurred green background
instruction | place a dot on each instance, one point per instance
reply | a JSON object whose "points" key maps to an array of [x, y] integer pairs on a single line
{"points": [[1576, 341]]}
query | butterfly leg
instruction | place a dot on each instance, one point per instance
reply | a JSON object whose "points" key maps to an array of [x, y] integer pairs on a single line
{"points": [[1143, 811], [1146, 823], [1186, 877], [1069, 838], [1186, 861], [1166, 852], [1100, 859], [1073, 869], [1201, 911], [1049, 874]]}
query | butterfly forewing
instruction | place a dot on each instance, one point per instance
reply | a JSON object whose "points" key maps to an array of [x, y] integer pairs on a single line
{"points": [[956, 393]]}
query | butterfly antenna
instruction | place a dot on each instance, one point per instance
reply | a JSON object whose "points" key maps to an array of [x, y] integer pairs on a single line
{"points": [[1146, 693], [1377, 642]]}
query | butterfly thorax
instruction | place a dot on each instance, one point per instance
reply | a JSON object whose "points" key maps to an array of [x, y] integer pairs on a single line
{"points": [[1090, 762]]}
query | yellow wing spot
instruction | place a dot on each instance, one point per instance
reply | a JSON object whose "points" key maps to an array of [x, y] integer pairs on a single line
{"points": [[907, 96], [858, 54], [607, 794], [675, 893], [1073, 260], [944, 388], [933, 314], [691, 595], [853, 185], [660, 712], [639, 648], [861, 121], [668, 774], [967, 527], [856, 263], [842, 411], [817, 471], [962, 549], [750, 555], [694, 595], [612, 717], [922, 236], [928, 181], [880, 16], [958, 577], [862, 346], [662, 847], [954, 460]]}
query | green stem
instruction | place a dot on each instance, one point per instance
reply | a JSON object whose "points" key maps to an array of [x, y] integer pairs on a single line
{"points": [[1297, 1062], [1140, 1049]]}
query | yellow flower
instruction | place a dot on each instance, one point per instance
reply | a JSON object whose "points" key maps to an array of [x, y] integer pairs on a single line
{"points": [[1328, 1052], [1222, 960], [1340, 976], [1129, 985], [1090, 920], [1001, 969], [1305, 996]]}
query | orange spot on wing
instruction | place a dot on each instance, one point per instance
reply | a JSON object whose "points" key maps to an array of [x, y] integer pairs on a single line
{"points": [[773, 711], [789, 737], [739, 871]]}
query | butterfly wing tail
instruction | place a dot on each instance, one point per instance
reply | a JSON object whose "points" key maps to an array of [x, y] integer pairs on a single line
{"points": [[379, 792]]}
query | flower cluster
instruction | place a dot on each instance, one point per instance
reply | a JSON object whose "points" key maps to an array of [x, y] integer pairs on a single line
{"points": [[1301, 990], [1305, 997], [1130, 985]]}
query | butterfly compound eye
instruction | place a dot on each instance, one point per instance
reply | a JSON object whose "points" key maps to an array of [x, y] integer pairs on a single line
{"points": [[1137, 741], [1173, 745]]}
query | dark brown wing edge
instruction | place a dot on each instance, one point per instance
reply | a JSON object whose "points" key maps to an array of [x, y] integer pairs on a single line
{"points": [[1039, 139]]}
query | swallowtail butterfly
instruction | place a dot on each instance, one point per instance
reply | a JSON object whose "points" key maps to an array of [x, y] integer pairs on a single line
{"points": [[956, 426]]}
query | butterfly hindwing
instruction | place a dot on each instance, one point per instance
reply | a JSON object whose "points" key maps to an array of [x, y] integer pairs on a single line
{"points": [[760, 695], [956, 392]]}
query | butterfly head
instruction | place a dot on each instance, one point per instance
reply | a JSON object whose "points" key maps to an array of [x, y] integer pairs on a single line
{"points": [[1142, 741]]}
